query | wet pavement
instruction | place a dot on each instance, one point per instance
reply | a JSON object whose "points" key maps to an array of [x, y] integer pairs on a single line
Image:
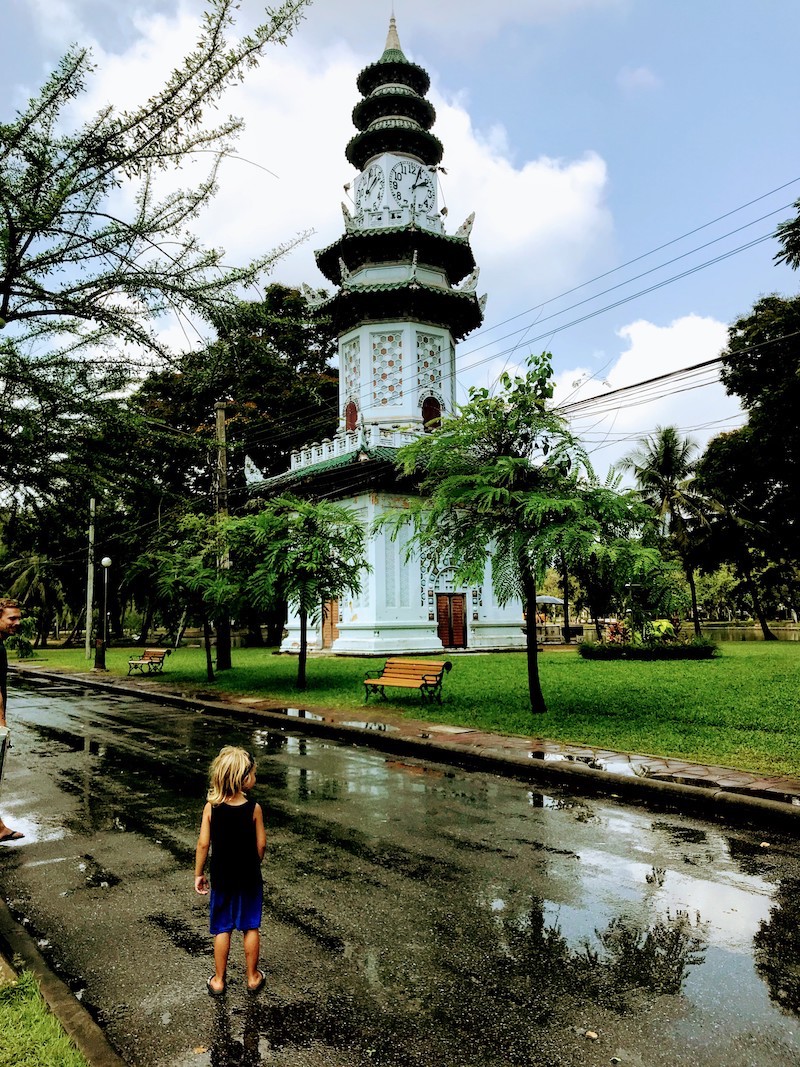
{"points": [[416, 913]]}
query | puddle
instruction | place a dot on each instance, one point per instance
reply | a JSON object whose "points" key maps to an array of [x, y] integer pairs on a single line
{"points": [[621, 766], [299, 713]]}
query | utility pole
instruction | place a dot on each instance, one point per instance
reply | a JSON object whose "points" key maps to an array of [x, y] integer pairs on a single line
{"points": [[222, 623], [90, 582]]}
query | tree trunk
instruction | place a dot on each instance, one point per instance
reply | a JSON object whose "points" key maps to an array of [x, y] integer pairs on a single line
{"points": [[538, 706], [223, 627], [252, 620], [181, 628], [71, 640], [301, 660], [147, 622], [757, 608], [44, 626], [207, 638], [693, 591]]}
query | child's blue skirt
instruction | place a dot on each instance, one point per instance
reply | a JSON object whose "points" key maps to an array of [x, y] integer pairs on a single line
{"points": [[237, 909]]}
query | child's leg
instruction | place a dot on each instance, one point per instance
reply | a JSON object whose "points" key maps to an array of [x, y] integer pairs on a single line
{"points": [[252, 948], [222, 947]]}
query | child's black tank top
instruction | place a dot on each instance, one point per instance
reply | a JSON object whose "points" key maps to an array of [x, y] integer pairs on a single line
{"points": [[234, 854]]}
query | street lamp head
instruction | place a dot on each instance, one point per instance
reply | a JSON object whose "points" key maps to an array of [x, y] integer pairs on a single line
{"points": [[106, 561]]}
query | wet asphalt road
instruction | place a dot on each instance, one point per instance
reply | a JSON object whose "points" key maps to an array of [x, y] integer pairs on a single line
{"points": [[415, 915]]}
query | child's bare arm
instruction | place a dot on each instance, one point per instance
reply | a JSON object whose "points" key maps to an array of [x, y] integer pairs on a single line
{"points": [[261, 833], [201, 853]]}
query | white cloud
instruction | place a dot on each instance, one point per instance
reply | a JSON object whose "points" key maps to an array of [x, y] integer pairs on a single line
{"points": [[636, 79], [540, 225], [653, 351]]}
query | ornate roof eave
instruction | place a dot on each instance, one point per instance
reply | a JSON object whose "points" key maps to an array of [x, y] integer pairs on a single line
{"points": [[393, 100], [368, 468], [397, 135], [393, 67], [360, 247], [459, 312]]}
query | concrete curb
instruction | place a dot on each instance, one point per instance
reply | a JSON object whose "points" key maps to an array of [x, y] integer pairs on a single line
{"points": [[710, 802], [16, 943]]}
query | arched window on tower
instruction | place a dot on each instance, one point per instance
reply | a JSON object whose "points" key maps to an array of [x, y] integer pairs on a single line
{"points": [[431, 413], [350, 417]]}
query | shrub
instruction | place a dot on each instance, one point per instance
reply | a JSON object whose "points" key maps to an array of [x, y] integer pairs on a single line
{"points": [[697, 648]]}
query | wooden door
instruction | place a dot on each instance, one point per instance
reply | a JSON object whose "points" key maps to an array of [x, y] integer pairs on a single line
{"points": [[451, 615], [330, 623]]}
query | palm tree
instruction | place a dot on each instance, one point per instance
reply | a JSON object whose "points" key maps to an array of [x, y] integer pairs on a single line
{"points": [[663, 464], [35, 583]]}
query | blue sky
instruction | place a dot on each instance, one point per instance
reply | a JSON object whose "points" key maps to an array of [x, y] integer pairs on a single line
{"points": [[584, 133]]}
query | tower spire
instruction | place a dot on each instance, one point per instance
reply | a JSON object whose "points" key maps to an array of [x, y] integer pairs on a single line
{"points": [[392, 38]]}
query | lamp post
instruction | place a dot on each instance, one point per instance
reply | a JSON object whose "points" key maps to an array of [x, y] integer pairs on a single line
{"points": [[102, 639]]}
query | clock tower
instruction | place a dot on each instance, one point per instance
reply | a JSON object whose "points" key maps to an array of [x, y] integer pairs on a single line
{"points": [[405, 293]]}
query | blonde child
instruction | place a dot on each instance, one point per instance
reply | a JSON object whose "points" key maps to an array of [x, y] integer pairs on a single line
{"points": [[233, 828]]}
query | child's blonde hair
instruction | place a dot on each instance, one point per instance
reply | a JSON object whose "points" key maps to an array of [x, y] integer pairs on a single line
{"points": [[228, 772]]}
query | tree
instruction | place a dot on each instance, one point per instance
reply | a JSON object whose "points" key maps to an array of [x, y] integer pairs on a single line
{"points": [[663, 465], [761, 366], [730, 470], [77, 272], [503, 479], [187, 575], [308, 553], [271, 364]]}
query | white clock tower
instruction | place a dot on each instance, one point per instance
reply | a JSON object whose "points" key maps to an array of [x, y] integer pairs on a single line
{"points": [[405, 294]]}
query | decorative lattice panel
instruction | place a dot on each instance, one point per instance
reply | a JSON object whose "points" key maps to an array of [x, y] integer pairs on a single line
{"points": [[351, 369], [429, 364], [387, 368]]}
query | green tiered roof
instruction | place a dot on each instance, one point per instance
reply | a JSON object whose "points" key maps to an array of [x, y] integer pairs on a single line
{"points": [[394, 114], [394, 117]]}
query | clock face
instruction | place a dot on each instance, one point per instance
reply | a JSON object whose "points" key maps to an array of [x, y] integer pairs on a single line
{"points": [[412, 185], [370, 189]]}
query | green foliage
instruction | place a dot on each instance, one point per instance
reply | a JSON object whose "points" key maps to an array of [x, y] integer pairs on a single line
{"points": [[30, 1036], [272, 364], [83, 278], [649, 650], [753, 471], [504, 481], [304, 552]]}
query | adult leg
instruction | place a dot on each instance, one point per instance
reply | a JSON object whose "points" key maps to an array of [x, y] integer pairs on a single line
{"points": [[222, 948], [252, 948], [7, 834]]}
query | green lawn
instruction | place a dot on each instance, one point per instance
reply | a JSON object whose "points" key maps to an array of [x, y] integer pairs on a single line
{"points": [[29, 1035], [741, 709]]}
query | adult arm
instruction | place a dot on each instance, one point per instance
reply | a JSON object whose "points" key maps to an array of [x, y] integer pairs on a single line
{"points": [[201, 852]]}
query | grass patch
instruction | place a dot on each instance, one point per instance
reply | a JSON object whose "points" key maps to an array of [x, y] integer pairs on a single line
{"points": [[741, 709], [30, 1036]]}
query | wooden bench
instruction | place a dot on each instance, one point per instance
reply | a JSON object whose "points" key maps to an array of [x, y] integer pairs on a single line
{"points": [[423, 674], [151, 661]]}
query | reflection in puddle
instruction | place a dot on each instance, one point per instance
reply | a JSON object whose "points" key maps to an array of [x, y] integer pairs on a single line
{"points": [[415, 913]]}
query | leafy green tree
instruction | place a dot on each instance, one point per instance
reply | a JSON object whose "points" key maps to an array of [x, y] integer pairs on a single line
{"points": [[761, 365], [271, 365], [504, 480], [184, 565], [78, 271], [307, 553], [663, 465], [740, 533]]}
